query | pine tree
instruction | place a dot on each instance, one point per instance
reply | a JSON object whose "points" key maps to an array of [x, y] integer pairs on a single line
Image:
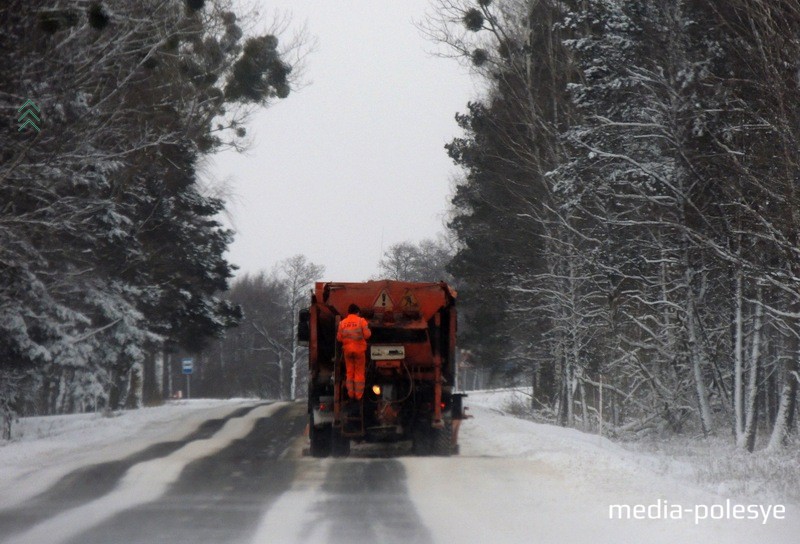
{"points": [[110, 247]]}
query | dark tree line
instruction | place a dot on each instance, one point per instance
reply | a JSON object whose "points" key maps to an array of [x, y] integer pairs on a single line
{"points": [[110, 246], [261, 357], [628, 216]]}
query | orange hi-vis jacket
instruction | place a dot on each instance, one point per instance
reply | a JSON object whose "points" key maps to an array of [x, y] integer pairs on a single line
{"points": [[353, 333]]}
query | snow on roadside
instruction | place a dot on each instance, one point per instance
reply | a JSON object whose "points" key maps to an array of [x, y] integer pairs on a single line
{"points": [[712, 464], [43, 449], [499, 399], [516, 437], [533, 482]]}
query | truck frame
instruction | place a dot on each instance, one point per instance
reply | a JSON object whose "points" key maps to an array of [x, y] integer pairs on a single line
{"points": [[411, 367]]}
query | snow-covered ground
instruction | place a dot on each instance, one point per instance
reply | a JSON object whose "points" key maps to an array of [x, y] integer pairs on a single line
{"points": [[559, 485], [712, 463], [515, 481]]}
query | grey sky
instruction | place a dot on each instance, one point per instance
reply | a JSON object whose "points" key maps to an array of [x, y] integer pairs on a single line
{"points": [[354, 161]]}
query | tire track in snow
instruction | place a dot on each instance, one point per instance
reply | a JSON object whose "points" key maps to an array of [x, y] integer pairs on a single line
{"points": [[337, 501], [142, 482], [92, 482], [218, 498]]}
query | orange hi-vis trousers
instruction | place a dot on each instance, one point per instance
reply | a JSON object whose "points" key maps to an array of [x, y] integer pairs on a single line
{"points": [[355, 362]]}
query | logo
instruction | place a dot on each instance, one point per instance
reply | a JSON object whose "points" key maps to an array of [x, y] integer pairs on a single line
{"points": [[28, 117]]}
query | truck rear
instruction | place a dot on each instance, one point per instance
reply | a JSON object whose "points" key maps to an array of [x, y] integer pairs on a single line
{"points": [[411, 366]]}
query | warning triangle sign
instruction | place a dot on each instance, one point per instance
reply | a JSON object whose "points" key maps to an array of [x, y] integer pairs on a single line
{"points": [[384, 301], [409, 301]]}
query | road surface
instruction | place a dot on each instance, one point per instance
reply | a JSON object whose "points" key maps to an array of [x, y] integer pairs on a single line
{"points": [[243, 478]]}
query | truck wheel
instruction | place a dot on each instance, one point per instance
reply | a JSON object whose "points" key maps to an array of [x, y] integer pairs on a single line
{"points": [[442, 440], [422, 440], [320, 440], [340, 445]]}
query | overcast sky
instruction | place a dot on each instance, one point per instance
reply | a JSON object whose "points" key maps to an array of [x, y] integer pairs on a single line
{"points": [[353, 162]]}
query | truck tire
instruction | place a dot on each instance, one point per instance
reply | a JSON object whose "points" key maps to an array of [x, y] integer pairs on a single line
{"points": [[340, 445], [442, 440], [320, 439], [421, 438]]}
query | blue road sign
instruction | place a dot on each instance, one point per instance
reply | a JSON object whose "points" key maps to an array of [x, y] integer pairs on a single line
{"points": [[187, 363]]}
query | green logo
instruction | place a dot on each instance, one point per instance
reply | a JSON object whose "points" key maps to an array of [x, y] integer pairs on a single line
{"points": [[28, 117]]}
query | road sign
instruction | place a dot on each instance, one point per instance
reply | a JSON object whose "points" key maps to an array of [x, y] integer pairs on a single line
{"points": [[187, 363]]}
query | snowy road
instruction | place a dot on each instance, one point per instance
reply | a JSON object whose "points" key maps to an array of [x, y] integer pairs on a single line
{"points": [[236, 474]]}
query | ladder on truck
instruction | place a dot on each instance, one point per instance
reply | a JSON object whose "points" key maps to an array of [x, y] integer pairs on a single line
{"points": [[348, 413], [353, 418]]}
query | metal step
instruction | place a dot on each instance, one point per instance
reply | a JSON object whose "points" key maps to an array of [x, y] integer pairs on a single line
{"points": [[353, 423]]}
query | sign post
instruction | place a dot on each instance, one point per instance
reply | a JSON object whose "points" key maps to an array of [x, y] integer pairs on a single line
{"points": [[187, 364]]}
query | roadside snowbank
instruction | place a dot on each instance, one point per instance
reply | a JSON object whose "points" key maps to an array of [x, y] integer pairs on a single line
{"points": [[542, 483], [712, 463]]}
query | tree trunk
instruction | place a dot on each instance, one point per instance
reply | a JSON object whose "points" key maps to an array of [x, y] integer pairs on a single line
{"points": [[281, 378], [780, 431], [166, 373], [696, 353], [151, 395], [563, 399], [738, 365], [123, 388], [748, 438], [293, 384], [133, 396], [786, 405], [61, 399], [584, 410], [570, 400]]}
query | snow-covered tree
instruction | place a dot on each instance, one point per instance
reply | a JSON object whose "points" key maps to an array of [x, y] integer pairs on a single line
{"points": [[110, 247], [629, 205]]}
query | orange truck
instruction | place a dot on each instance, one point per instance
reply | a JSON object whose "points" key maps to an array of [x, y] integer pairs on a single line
{"points": [[410, 380]]}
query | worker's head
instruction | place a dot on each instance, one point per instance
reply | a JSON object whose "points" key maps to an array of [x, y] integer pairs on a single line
{"points": [[353, 309]]}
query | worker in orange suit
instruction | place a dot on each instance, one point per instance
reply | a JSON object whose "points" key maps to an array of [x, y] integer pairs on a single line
{"points": [[353, 334]]}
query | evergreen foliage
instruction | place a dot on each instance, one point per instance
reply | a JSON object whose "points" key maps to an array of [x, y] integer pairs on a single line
{"points": [[110, 247]]}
